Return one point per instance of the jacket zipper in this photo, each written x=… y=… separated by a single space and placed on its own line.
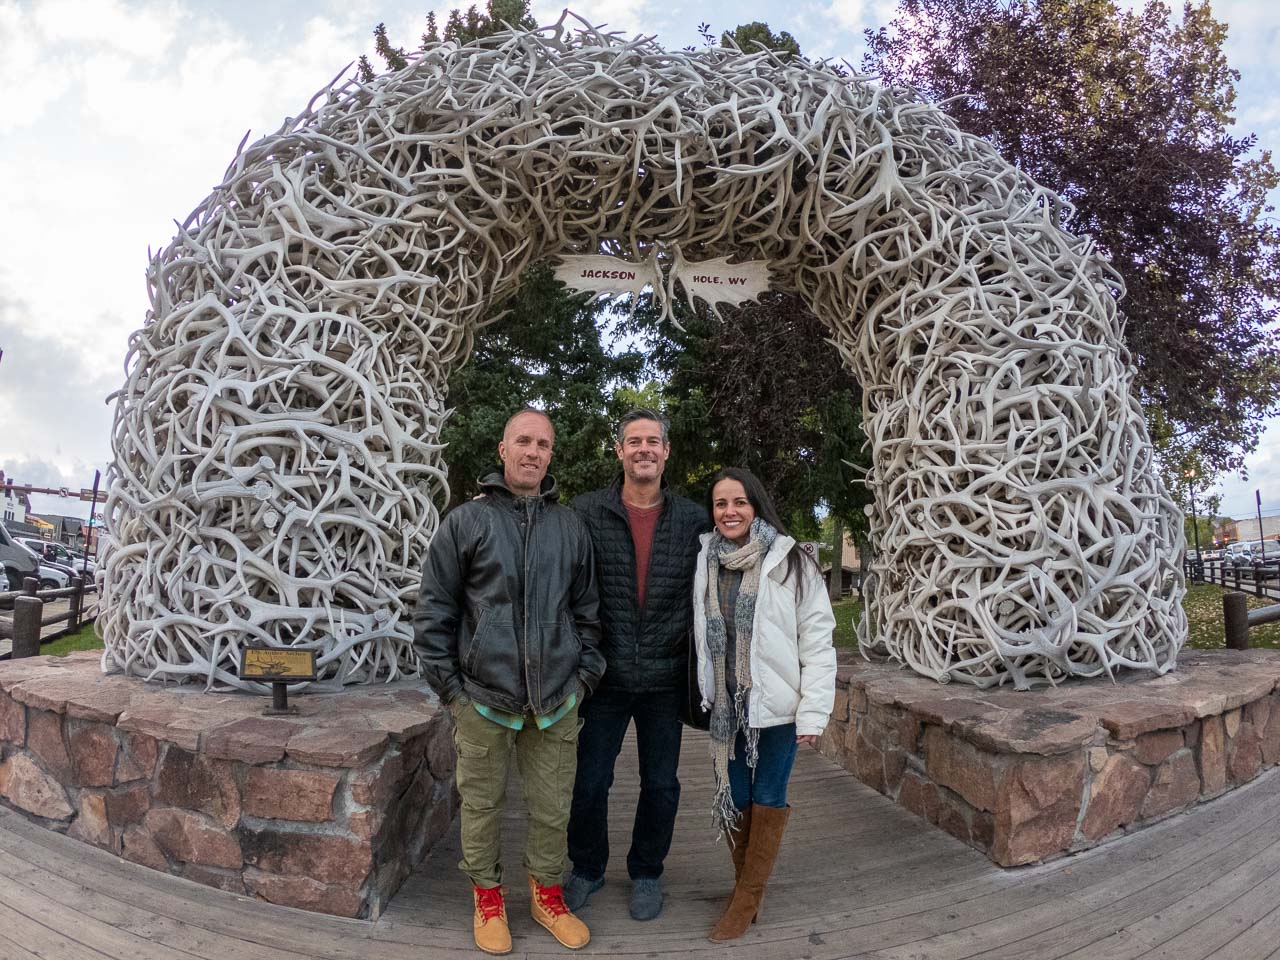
x=635 y=578
x=524 y=597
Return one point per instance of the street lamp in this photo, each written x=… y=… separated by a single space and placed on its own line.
x=1195 y=525
x=1262 y=540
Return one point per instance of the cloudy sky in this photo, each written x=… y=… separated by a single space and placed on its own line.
x=119 y=117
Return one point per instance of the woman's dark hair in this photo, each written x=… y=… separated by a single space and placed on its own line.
x=763 y=506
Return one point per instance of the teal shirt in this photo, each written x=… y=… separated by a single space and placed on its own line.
x=516 y=721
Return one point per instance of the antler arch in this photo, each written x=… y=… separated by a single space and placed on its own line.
x=277 y=470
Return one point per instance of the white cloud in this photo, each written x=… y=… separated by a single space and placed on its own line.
x=128 y=28
x=41 y=473
x=144 y=131
x=52 y=406
x=31 y=75
x=1263 y=475
x=847 y=13
x=628 y=16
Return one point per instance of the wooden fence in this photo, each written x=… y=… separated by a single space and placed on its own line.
x=1255 y=578
x=25 y=627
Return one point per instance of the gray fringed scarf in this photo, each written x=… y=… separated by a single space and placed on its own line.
x=728 y=717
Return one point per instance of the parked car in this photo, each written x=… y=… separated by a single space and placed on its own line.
x=16 y=562
x=53 y=578
x=80 y=563
x=1246 y=553
x=52 y=554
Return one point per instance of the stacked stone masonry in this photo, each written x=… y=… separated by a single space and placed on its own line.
x=328 y=810
x=1028 y=776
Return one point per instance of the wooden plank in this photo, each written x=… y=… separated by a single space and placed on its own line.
x=13 y=951
x=995 y=897
x=660 y=939
x=104 y=924
x=887 y=883
x=1077 y=924
x=1211 y=917
x=918 y=935
x=28 y=934
x=1036 y=915
x=1259 y=941
x=171 y=898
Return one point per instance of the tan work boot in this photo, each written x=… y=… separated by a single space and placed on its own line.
x=547 y=907
x=489 y=923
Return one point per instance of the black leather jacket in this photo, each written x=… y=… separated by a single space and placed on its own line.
x=508 y=609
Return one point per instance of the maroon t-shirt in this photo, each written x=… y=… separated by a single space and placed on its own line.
x=643 y=520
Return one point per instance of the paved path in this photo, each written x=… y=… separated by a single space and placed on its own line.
x=858 y=877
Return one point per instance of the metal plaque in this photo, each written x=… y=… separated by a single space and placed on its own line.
x=275 y=665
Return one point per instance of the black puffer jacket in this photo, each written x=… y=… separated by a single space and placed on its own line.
x=645 y=649
x=508 y=609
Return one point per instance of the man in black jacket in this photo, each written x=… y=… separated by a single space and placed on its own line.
x=646 y=544
x=507 y=628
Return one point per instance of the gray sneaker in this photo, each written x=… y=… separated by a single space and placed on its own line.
x=646 y=898
x=578 y=890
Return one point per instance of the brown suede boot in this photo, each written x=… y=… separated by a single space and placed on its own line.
x=489 y=922
x=739 y=837
x=767 y=826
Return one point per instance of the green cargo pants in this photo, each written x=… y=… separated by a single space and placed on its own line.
x=548 y=762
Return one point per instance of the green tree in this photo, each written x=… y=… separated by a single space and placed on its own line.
x=1205 y=525
x=1127 y=115
x=545 y=350
x=751 y=390
x=749 y=37
x=459 y=27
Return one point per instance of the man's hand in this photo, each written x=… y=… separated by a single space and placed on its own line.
x=809 y=738
x=456 y=704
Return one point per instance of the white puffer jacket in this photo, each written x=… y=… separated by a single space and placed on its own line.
x=793 y=662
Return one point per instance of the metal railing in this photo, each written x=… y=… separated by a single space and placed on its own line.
x=29 y=619
x=1263 y=580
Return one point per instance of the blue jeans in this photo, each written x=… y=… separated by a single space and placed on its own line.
x=766 y=784
x=606 y=714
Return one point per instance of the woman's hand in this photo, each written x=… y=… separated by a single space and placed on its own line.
x=809 y=738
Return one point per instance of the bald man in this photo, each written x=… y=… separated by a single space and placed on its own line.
x=507 y=627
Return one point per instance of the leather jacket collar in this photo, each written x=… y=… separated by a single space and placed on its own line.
x=496 y=483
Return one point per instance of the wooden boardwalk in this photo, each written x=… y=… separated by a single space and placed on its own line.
x=858 y=877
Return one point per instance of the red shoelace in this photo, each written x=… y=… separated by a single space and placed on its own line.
x=489 y=902
x=552 y=899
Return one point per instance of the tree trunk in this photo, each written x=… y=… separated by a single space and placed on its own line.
x=836 y=580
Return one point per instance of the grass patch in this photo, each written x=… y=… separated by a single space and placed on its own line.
x=847 y=613
x=1203 y=604
x=82 y=639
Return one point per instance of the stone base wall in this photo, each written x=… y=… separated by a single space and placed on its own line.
x=327 y=811
x=1027 y=776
